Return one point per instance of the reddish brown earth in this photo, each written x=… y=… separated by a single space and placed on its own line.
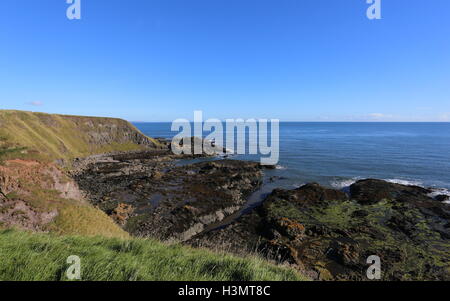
x=19 y=182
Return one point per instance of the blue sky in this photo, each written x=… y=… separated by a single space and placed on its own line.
x=296 y=60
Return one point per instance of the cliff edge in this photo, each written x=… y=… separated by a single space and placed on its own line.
x=51 y=136
x=37 y=194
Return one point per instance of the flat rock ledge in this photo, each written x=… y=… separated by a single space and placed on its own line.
x=149 y=195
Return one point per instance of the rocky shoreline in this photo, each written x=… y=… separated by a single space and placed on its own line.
x=150 y=196
x=326 y=233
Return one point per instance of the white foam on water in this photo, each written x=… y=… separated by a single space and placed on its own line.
x=435 y=191
x=440 y=191
x=280 y=167
x=226 y=155
x=340 y=184
x=344 y=183
x=405 y=182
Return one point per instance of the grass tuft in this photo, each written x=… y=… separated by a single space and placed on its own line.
x=26 y=256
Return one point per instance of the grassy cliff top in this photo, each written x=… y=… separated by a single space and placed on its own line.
x=51 y=136
x=25 y=256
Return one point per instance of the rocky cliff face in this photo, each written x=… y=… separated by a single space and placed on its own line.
x=21 y=182
x=14 y=174
x=38 y=195
x=106 y=131
x=68 y=137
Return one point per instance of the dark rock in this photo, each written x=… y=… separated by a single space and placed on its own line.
x=270 y=166
x=360 y=213
x=442 y=198
x=308 y=194
x=273 y=179
x=315 y=193
x=169 y=202
x=324 y=234
x=402 y=223
x=371 y=191
x=344 y=253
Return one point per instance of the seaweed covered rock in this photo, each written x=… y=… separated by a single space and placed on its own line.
x=371 y=191
x=329 y=236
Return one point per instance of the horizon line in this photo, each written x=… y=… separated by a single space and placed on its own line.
x=290 y=121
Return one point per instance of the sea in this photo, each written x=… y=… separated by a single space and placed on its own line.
x=337 y=154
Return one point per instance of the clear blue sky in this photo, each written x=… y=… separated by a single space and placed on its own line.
x=297 y=60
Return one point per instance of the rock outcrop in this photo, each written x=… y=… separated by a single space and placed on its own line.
x=21 y=182
x=171 y=202
x=329 y=236
x=371 y=191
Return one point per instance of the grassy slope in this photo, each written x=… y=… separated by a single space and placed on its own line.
x=59 y=136
x=25 y=256
x=75 y=217
x=46 y=137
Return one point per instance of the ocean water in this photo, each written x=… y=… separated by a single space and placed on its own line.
x=338 y=154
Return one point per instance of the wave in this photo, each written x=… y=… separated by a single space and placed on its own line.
x=344 y=183
x=440 y=191
x=435 y=191
x=280 y=167
x=405 y=182
x=226 y=155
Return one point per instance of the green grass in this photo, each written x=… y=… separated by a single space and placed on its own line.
x=74 y=217
x=26 y=256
